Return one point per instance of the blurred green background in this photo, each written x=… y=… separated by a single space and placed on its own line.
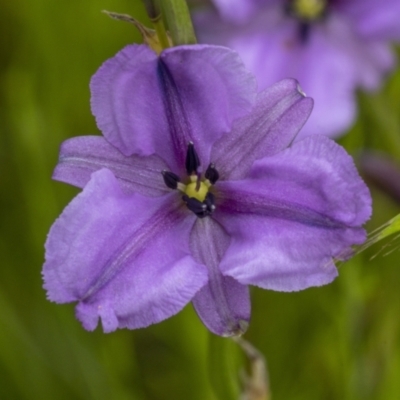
x=341 y=341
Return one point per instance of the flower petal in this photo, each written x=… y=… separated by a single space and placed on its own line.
x=124 y=258
x=300 y=209
x=124 y=92
x=277 y=117
x=83 y=155
x=375 y=19
x=330 y=64
x=239 y=11
x=334 y=53
x=223 y=304
x=145 y=105
x=214 y=88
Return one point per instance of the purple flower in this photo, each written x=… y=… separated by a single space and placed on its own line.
x=331 y=46
x=195 y=192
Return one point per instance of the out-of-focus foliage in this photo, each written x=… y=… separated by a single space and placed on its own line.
x=341 y=341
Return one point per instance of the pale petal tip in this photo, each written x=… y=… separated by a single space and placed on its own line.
x=301 y=91
x=238 y=329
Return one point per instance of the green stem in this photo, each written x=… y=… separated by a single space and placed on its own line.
x=154 y=13
x=223 y=367
x=159 y=26
x=176 y=14
x=152 y=8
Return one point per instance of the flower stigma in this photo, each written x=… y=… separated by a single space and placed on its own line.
x=196 y=194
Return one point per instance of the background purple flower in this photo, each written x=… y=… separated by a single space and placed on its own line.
x=141 y=241
x=337 y=47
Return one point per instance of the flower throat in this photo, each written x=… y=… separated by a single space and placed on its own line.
x=196 y=194
x=308 y=10
x=307 y=13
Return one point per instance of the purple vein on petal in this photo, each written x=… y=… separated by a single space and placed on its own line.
x=209 y=230
x=133 y=247
x=83 y=155
x=124 y=173
x=279 y=113
x=251 y=203
x=178 y=121
x=223 y=304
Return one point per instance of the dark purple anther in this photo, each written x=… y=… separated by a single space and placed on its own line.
x=170 y=179
x=212 y=174
x=192 y=162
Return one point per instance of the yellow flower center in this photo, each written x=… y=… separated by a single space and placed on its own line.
x=196 y=194
x=309 y=9
x=201 y=193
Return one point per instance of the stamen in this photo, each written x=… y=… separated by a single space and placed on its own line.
x=212 y=174
x=170 y=179
x=201 y=209
x=181 y=187
x=195 y=205
x=195 y=194
x=210 y=202
x=192 y=160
